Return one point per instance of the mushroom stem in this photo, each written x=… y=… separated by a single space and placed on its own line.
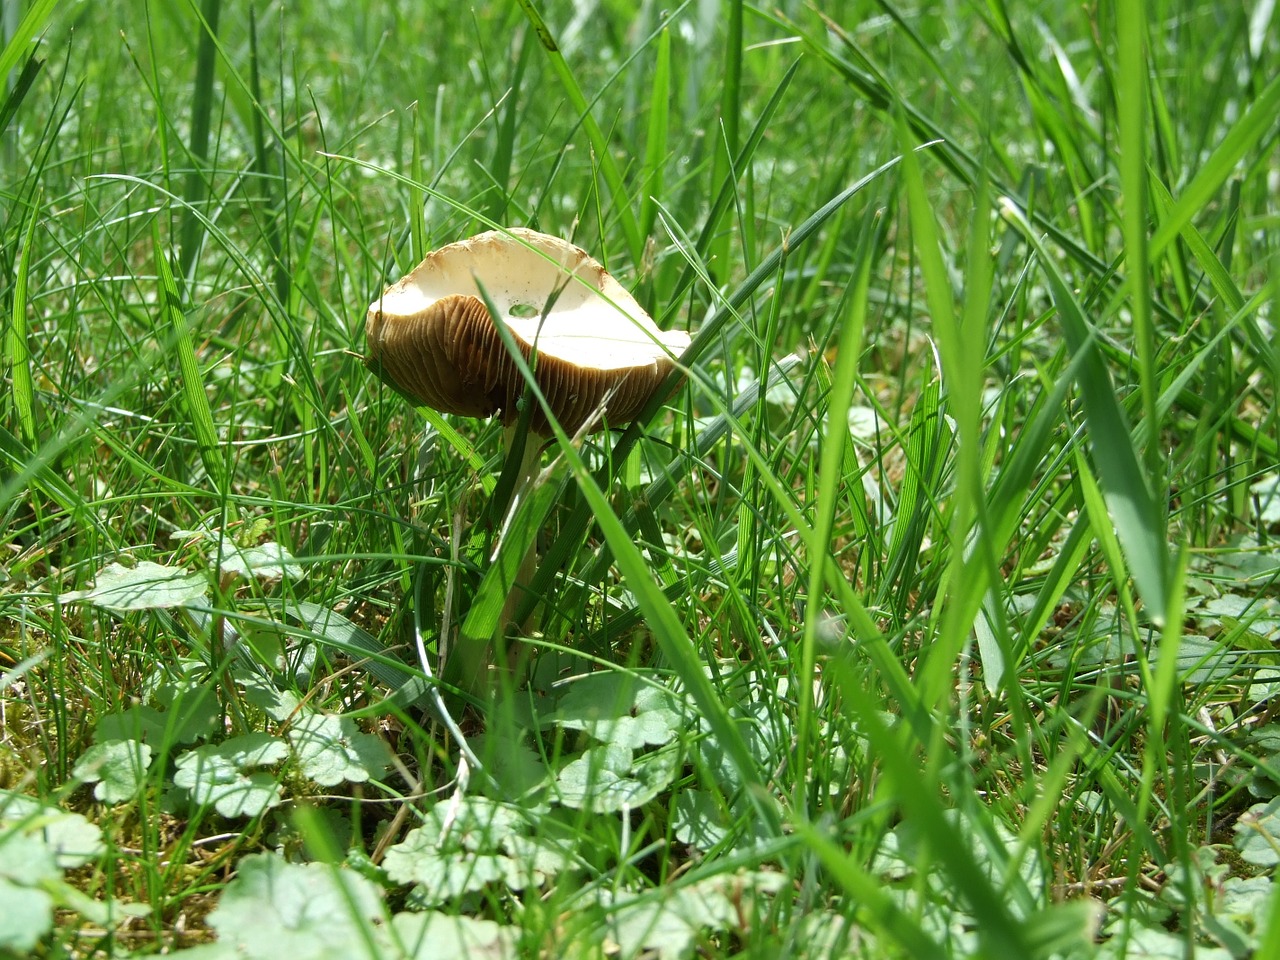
x=469 y=659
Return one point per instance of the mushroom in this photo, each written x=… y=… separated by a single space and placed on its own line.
x=597 y=357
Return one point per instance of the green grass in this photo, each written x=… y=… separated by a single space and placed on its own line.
x=936 y=615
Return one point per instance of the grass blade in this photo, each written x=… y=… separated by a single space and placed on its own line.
x=1131 y=41
x=32 y=22
x=197 y=187
x=707 y=335
x=1258 y=121
x=1138 y=519
x=603 y=150
x=17 y=353
x=655 y=148
x=194 y=398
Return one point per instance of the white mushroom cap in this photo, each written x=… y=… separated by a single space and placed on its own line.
x=431 y=335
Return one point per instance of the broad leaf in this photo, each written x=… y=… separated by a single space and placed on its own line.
x=332 y=749
x=147 y=586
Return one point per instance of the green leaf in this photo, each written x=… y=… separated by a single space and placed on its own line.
x=621 y=709
x=118 y=768
x=438 y=936
x=468 y=843
x=26 y=915
x=146 y=586
x=516 y=768
x=275 y=909
x=278 y=704
x=1065 y=928
x=266 y=561
x=699 y=820
x=608 y=778
x=25 y=858
x=333 y=749
x=1258 y=833
x=70 y=837
x=37 y=843
x=214 y=774
x=191 y=713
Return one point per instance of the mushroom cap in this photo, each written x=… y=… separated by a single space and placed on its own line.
x=431 y=336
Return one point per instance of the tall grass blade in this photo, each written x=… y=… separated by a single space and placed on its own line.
x=725 y=134
x=32 y=22
x=1138 y=519
x=1131 y=92
x=707 y=335
x=194 y=399
x=621 y=202
x=504 y=147
x=836 y=445
x=1258 y=122
x=17 y=351
x=655 y=146
x=271 y=186
x=18 y=92
x=197 y=186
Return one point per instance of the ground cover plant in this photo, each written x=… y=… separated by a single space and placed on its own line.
x=935 y=615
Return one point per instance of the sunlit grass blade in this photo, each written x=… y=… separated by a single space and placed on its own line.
x=652 y=174
x=707 y=335
x=1131 y=36
x=620 y=200
x=191 y=380
x=1138 y=519
x=516 y=542
x=836 y=445
x=17 y=353
x=724 y=137
x=927 y=440
x=1246 y=133
x=271 y=185
x=960 y=351
x=197 y=187
x=32 y=22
